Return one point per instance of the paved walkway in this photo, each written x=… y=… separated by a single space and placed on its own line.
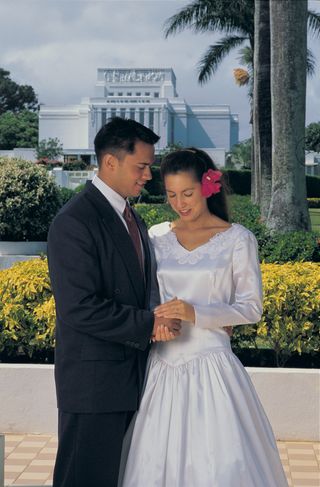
x=29 y=460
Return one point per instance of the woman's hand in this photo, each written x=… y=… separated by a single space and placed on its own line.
x=176 y=308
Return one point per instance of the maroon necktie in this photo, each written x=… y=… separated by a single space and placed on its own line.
x=134 y=233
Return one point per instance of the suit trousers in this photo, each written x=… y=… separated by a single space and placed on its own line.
x=89 y=449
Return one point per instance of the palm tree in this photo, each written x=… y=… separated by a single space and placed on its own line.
x=262 y=134
x=236 y=21
x=288 y=208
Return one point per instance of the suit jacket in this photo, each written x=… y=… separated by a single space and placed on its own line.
x=104 y=324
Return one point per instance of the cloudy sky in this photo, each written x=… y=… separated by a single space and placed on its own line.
x=56 y=46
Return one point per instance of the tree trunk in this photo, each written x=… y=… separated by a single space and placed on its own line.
x=262 y=106
x=288 y=208
x=255 y=160
x=254 y=186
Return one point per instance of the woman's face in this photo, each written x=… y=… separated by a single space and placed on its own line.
x=184 y=195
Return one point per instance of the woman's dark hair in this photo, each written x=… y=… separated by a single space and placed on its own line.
x=197 y=162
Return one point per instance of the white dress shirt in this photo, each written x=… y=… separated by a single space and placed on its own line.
x=115 y=199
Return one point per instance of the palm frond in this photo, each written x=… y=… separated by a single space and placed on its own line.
x=215 y=54
x=246 y=56
x=311 y=63
x=314 y=22
x=204 y=15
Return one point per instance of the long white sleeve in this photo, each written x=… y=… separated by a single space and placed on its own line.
x=246 y=304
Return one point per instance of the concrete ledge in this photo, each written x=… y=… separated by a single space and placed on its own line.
x=27 y=398
x=1 y=460
x=290 y=398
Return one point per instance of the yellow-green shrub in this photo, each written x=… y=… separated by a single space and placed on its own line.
x=291 y=318
x=290 y=323
x=27 y=311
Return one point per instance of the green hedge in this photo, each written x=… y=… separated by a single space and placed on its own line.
x=29 y=200
x=239 y=182
x=313 y=187
x=155 y=186
x=289 y=324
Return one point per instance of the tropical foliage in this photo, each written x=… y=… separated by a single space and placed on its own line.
x=27 y=310
x=29 y=200
x=49 y=149
x=235 y=22
x=289 y=324
x=18 y=129
x=14 y=97
x=313 y=137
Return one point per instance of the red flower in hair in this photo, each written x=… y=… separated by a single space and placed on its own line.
x=210 y=183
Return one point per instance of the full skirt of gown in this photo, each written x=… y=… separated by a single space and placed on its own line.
x=200 y=422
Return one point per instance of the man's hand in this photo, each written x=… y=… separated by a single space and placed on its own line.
x=165 y=329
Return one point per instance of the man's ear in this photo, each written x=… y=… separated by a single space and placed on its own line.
x=109 y=161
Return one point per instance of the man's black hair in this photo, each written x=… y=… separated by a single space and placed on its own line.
x=120 y=135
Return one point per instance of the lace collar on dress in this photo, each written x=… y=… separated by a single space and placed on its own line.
x=168 y=245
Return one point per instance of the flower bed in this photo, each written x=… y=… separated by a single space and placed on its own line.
x=288 y=329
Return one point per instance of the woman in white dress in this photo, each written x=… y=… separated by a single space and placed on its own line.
x=200 y=422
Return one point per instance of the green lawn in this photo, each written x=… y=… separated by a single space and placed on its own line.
x=315 y=219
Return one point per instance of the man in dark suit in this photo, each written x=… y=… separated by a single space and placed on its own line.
x=101 y=274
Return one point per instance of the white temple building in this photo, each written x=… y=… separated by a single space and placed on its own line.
x=150 y=97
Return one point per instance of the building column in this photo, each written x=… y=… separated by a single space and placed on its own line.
x=156 y=121
x=146 y=117
x=99 y=118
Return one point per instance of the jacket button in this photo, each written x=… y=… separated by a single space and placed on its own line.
x=117 y=291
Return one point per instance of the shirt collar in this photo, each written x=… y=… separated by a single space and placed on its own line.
x=114 y=198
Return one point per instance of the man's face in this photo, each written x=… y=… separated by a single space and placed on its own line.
x=132 y=171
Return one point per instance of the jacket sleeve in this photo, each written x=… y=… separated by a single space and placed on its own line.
x=246 y=307
x=76 y=283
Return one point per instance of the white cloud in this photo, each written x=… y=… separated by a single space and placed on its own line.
x=57 y=46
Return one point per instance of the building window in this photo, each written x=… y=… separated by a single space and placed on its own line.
x=103 y=116
x=151 y=118
x=129 y=93
x=156 y=95
x=132 y=113
x=111 y=93
x=120 y=93
x=113 y=112
x=141 y=115
x=147 y=93
x=122 y=112
x=138 y=93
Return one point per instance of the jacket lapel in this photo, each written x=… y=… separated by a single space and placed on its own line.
x=121 y=240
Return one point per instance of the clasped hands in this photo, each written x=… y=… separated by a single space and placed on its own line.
x=168 y=317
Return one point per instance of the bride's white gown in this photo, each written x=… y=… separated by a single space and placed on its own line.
x=200 y=422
